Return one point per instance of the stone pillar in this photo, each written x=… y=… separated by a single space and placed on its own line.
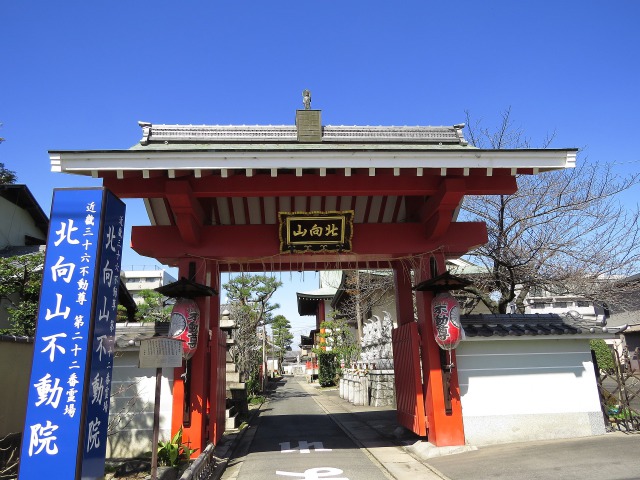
x=365 y=389
x=382 y=388
x=350 y=388
x=356 y=389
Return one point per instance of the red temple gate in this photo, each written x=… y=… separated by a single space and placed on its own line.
x=214 y=195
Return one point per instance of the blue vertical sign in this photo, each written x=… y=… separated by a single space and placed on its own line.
x=65 y=430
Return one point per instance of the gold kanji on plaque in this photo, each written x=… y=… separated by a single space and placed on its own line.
x=316 y=231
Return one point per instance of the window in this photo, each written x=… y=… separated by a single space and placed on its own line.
x=560 y=305
x=583 y=303
x=537 y=292
x=540 y=306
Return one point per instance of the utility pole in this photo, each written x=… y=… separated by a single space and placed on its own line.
x=264 y=355
x=358 y=309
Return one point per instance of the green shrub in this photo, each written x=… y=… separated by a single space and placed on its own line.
x=173 y=452
x=256 y=400
x=622 y=413
x=604 y=355
x=253 y=384
x=327 y=369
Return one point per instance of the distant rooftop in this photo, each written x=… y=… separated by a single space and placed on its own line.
x=308 y=301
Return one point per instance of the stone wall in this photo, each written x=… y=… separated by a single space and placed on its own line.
x=371 y=380
x=373 y=388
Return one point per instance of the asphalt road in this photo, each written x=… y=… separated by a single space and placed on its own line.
x=611 y=457
x=295 y=439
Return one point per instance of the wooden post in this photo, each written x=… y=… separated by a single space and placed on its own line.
x=445 y=429
x=156 y=426
x=403 y=293
x=190 y=397
x=177 y=410
x=321 y=314
x=217 y=360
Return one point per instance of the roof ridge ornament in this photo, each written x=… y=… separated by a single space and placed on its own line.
x=458 y=129
x=146 y=131
x=306 y=99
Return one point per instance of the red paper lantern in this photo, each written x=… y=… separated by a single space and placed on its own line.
x=445 y=313
x=185 y=322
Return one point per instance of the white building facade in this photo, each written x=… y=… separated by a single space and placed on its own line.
x=148 y=279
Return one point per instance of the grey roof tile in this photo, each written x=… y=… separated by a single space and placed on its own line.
x=482 y=325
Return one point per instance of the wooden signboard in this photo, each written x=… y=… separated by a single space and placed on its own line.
x=160 y=352
x=316 y=231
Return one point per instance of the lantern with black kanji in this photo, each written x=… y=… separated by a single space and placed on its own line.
x=185 y=316
x=445 y=310
x=185 y=322
x=445 y=313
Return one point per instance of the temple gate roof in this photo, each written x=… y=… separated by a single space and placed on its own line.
x=197 y=180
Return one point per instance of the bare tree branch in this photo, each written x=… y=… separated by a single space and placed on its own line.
x=564 y=231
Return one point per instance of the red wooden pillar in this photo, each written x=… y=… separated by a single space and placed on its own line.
x=321 y=316
x=178 y=399
x=192 y=416
x=404 y=295
x=217 y=360
x=178 y=407
x=445 y=429
x=410 y=405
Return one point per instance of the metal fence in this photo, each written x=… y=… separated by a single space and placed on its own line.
x=202 y=467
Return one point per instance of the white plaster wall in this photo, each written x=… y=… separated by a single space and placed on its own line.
x=16 y=223
x=327 y=309
x=132 y=402
x=522 y=390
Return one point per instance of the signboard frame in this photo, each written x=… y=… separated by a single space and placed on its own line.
x=328 y=231
x=69 y=391
x=160 y=352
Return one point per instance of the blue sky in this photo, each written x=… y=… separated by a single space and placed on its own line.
x=79 y=75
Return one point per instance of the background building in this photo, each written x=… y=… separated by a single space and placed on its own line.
x=138 y=280
x=23 y=229
x=24 y=223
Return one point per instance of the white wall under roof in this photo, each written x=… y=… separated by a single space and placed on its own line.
x=133 y=394
x=525 y=390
